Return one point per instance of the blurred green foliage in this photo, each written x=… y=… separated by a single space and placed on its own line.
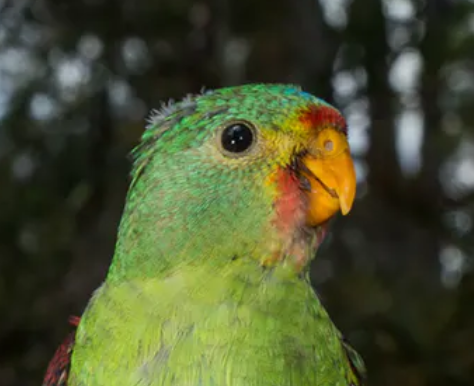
x=78 y=77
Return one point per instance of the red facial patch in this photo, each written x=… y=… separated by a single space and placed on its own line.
x=315 y=116
x=289 y=204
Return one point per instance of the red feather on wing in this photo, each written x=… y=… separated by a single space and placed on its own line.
x=58 y=368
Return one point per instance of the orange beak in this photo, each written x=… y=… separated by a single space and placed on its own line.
x=333 y=183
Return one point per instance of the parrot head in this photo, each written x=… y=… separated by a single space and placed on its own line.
x=251 y=172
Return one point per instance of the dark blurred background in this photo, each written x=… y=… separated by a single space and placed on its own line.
x=77 y=79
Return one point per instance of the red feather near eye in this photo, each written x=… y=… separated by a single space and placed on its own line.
x=316 y=116
x=58 y=368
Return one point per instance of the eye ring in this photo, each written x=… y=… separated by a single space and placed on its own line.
x=237 y=138
x=330 y=143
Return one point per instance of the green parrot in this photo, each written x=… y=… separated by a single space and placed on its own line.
x=230 y=197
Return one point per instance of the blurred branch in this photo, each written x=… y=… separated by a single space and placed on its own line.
x=12 y=15
x=315 y=48
x=433 y=50
x=206 y=43
x=367 y=29
x=100 y=139
x=457 y=203
x=12 y=8
x=221 y=27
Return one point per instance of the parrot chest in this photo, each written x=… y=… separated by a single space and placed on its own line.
x=236 y=336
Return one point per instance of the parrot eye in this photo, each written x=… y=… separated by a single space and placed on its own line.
x=237 y=137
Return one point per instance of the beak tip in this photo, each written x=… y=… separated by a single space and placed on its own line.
x=345 y=209
x=346 y=202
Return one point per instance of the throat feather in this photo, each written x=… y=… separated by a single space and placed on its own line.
x=289 y=204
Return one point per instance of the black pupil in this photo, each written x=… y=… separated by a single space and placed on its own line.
x=237 y=138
